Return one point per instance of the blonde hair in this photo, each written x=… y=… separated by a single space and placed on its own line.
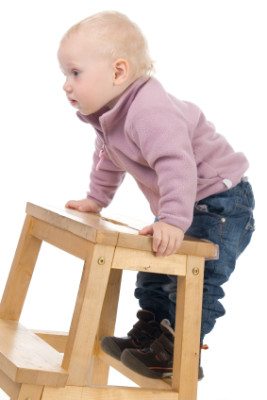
x=119 y=37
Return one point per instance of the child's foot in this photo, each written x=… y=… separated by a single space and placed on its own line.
x=143 y=334
x=155 y=361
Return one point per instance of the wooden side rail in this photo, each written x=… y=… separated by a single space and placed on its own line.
x=101 y=230
x=25 y=358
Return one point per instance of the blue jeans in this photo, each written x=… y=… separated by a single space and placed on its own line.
x=225 y=219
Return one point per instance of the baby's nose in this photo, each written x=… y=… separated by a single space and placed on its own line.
x=67 y=86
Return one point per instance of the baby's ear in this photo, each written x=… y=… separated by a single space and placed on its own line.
x=120 y=71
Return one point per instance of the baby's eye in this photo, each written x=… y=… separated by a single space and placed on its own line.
x=75 y=72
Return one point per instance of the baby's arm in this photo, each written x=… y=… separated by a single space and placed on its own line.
x=105 y=178
x=165 y=142
x=166 y=238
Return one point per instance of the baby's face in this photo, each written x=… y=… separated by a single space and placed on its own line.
x=89 y=76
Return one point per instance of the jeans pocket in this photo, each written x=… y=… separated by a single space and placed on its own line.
x=219 y=206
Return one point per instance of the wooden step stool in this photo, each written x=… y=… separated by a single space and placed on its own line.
x=56 y=366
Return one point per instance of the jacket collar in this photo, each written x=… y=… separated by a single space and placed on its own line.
x=106 y=117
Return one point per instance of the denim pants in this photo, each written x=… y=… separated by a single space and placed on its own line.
x=225 y=219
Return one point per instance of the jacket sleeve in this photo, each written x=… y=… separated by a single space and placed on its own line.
x=105 y=177
x=166 y=146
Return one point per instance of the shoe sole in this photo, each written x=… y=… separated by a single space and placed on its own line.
x=137 y=366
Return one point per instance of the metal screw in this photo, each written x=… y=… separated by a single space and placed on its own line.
x=195 y=271
x=101 y=261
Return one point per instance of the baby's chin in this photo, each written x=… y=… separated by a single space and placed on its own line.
x=84 y=111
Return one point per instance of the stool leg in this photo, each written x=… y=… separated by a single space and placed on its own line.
x=187 y=329
x=31 y=392
x=78 y=354
x=100 y=370
x=20 y=274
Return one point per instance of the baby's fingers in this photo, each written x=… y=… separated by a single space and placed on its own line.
x=162 y=245
x=156 y=240
x=79 y=205
x=170 y=249
x=71 y=204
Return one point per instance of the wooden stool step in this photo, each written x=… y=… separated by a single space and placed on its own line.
x=44 y=365
x=25 y=358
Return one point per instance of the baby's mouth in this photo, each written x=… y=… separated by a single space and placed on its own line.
x=73 y=102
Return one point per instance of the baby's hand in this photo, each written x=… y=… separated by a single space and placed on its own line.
x=86 y=205
x=166 y=238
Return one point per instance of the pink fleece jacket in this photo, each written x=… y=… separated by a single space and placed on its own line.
x=167 y=145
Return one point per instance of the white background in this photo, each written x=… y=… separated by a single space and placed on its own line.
x=209 y=52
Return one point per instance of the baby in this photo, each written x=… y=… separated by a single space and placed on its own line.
x=192 y=178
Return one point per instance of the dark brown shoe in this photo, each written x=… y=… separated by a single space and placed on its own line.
x=142 y=335
x=155 y=361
